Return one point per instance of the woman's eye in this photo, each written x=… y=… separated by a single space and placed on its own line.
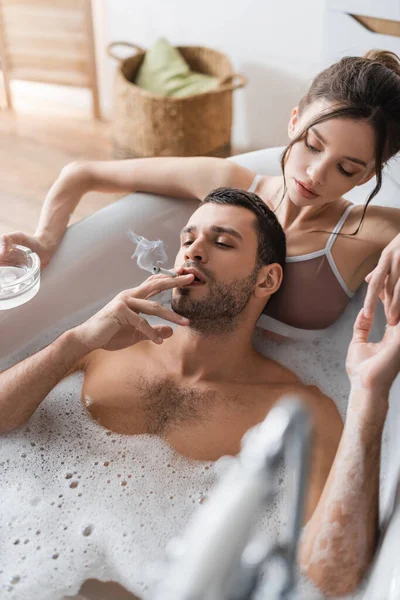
x=346 y=173
x=186 y=243
x=223 y=245
x=312 y=148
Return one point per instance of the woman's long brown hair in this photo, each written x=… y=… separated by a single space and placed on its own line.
x=363 y=88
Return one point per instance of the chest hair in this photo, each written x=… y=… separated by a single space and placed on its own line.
x=167 y=403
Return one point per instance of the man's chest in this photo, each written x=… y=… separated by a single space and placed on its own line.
x=202 y=421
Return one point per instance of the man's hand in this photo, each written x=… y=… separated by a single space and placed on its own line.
x=119 y=324
x=373 y=366
x=43 y=249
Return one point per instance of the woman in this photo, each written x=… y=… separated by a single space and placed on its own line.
x=342 y=133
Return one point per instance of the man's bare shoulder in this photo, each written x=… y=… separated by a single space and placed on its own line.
x=270 y=371
x=321 y=405
x=97 y=360
x=328 y=424
x=324 y=413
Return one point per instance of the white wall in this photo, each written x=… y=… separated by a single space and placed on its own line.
x=276 y=44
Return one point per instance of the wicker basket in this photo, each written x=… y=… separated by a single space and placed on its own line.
x=145 y=124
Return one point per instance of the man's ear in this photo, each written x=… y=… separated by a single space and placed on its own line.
x=268 y=281
x=293 y=122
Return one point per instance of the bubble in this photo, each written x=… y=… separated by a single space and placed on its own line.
x=15 y=579
x=86 y=531
x=87 y=401
x=132 y=528
x=74 y=484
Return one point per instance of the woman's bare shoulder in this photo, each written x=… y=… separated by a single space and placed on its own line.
x=242 y=177
x=381 y=223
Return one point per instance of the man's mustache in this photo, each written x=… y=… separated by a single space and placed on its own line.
x=207 y=274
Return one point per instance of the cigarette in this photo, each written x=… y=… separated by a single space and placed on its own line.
x=171 y=272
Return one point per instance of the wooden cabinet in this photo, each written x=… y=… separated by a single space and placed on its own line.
x=382 y=9
x=49 y=41
x=352 y=27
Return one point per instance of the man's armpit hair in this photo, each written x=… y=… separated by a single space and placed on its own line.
x=80 y=365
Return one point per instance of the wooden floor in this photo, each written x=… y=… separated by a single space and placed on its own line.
x=33 y=149
x=34 y=146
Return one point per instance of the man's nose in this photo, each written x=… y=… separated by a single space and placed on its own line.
x=196 y=251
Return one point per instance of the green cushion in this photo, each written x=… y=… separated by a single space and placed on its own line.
x=165 y=72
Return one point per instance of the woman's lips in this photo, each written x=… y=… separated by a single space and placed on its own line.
x=304 y=191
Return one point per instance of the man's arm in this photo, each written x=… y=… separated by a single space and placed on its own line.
x=340 y=538
x=116 y=326
x=24 y=386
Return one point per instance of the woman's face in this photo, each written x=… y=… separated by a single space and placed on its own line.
x=330 y=160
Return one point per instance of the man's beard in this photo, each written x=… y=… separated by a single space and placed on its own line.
x=218 y=312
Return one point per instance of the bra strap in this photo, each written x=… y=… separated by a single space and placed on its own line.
x=328 y=248
x=338 y=227
x=255 y=183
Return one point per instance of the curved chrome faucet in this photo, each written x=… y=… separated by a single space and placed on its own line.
x=217 y=558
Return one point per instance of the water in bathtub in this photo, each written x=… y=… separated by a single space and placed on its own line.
x=80 y=502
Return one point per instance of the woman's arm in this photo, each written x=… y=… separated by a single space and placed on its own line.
x=179 y=177
x=340 y=538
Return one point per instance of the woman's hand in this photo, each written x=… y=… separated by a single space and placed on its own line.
x=43 y=250
x=373 y=366
x=384 y=282
x=119 y=324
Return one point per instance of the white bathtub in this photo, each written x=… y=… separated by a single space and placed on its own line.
x=93 y=264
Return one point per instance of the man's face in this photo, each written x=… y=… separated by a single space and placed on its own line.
x=219 y=245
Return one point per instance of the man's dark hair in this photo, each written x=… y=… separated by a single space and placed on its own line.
x=271 y=237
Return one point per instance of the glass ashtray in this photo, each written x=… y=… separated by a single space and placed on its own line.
x=19 y=276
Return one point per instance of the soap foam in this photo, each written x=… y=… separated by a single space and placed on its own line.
x=80 y=502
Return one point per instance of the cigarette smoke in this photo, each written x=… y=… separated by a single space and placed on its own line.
x=148 y=254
